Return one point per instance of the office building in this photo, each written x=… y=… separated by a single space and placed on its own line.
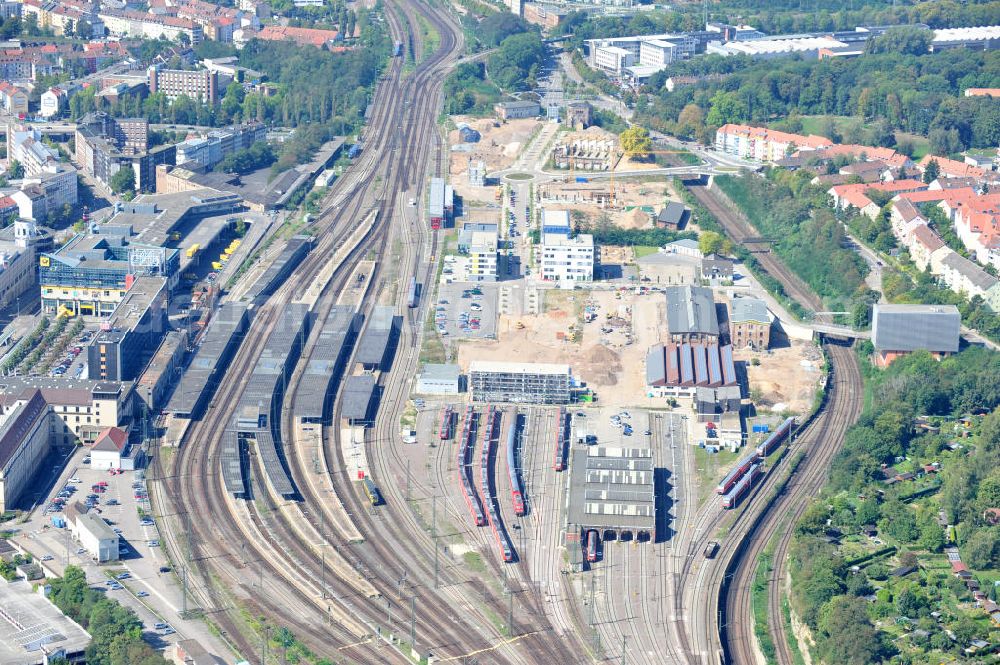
x=37 y=413
x=90 y=274
x=200 y=84
x=482 y=266
x=219 y=144
x=533 y=383
x=565 y=257
x=131 y=334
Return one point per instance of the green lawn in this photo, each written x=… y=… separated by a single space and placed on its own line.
x=644 y=250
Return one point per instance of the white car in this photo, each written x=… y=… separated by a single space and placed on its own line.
x=74 y=479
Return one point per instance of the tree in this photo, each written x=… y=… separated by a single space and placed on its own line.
x=980 y=550
x=15 y=170
x=931 y=171
x=710 y=242
x=635 y=141
x=123 y=181
x=690 y=121
x=847 y=636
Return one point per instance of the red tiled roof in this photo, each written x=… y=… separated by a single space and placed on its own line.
x=952 y=168
x=311 y=36
x=811 y=141
x=112 y=438
x=982 y=92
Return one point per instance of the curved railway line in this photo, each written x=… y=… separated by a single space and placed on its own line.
x=713 y=607
x=819 y=442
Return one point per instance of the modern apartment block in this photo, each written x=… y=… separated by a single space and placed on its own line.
x=565 y=257
x=218 y=144
x=534 y=383
x=199 y=84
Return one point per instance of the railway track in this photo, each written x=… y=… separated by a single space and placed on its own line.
x=819 y=442
x=715 y=608
x=739 y=229
x=199 y=489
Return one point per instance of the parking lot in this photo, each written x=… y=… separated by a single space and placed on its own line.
x=612 y=427
x=467 y=310
x=143 y=579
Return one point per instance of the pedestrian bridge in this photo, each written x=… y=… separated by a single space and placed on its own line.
x=840 y=331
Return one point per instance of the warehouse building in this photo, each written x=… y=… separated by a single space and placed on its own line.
x=898 y=330
x=437 y=379
x=33 y=631
x=679 y=370
x=612 y=492
x=535 y=383
x=691 y=315
x=95 y=536
x=517 y=110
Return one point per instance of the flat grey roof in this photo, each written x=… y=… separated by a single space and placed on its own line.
x=227 y=324
x=326 y=362
x=612 y=488
x=915 y=327
x=438 y=372
x=357 y=399
x=377 y=335
x=232 y=464
x=30 y=621
x=691 y=310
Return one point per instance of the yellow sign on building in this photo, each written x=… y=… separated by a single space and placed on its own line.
x=44 y=261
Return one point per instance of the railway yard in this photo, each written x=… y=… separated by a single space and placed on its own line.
x=542 y=496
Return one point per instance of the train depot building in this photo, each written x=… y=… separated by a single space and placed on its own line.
x=611 y=492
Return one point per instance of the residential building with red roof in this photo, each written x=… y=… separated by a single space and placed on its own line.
x=951 y=168
x=922 y=243
x=982 y=92
x=300 y=36
x=13 y=99
x=762 y=144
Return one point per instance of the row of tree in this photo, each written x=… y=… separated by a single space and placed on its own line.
x=115 y=630
x=785 y=207
x=918 y=94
